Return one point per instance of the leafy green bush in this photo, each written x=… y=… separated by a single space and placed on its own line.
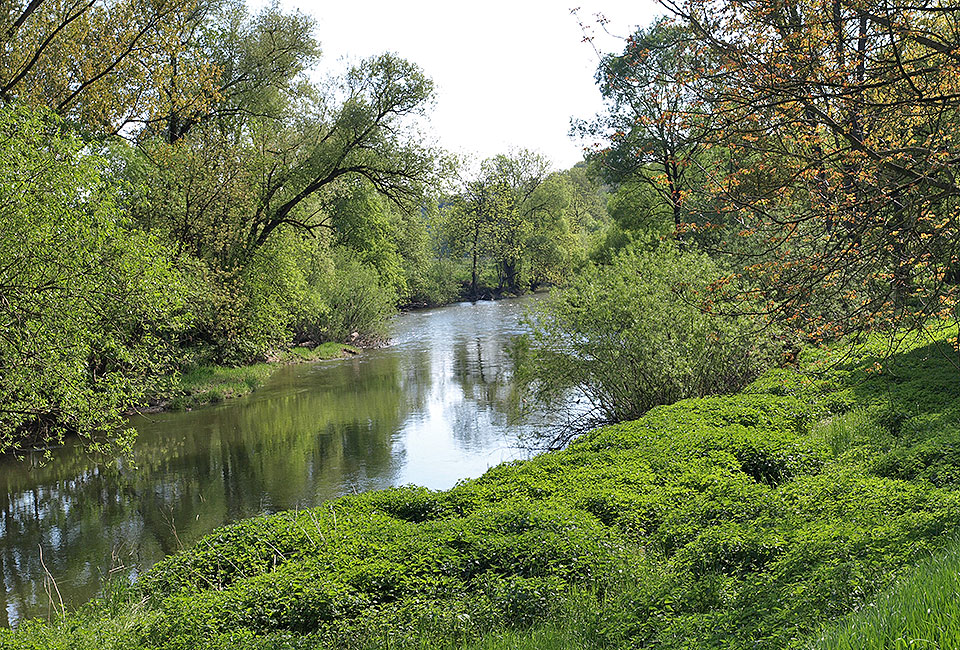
x=633 y=335
x=87 y=305
x=433 y=283
x=356 y=299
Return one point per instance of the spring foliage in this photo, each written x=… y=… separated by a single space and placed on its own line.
x=821 y=135
x=190 y=196
x=629 y=336
x=87 y=304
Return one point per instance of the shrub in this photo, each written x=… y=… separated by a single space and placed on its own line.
x=356 y=298
x=633 y=335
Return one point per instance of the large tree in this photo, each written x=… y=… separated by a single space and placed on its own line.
x=256 y=61
x=359 y=130
x=225 y=188
x=100 y=63
x=839 y=122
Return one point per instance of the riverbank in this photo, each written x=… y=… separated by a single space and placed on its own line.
x=738 y=521
x=204 y=385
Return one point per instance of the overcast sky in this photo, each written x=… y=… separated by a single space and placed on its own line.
x=507 y=73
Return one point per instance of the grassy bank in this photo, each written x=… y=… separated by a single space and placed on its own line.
x=921 y=610
x=741 y=521
x=211 y=384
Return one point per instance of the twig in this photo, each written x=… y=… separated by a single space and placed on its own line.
x=50 y=580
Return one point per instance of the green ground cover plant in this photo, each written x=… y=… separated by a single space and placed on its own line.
x=209 y=384
x=740 y=521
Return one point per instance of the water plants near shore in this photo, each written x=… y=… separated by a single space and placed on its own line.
x=211 y=384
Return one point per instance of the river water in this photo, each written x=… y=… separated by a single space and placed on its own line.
x=429 y=409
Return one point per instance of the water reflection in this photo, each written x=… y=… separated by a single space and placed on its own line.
x=429 y=409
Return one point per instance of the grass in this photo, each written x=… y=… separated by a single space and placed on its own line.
x=211 y=384
x=203 y=385
x=734 y=522
x=322 y=352
x=921 y=611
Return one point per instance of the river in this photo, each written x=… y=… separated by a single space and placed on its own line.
x=429 y=409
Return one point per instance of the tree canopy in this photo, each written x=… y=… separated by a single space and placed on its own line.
x=824 y=152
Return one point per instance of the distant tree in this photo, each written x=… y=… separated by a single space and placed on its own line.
x=496 y=212
x=471 y=215
x=588 y=202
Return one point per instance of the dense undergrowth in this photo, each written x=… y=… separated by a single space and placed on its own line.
x=741 y=521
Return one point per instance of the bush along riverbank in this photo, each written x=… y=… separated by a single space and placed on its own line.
x=209 y=384
x=741 y=521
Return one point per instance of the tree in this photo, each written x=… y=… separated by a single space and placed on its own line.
x=258 y=61
x=519 y=180
x=361 y=134
x=839 y=120
x=87 y=305
x=495 y=214
x=227 y=186
x=470 y=224
x=653 y=133
x=100 y=63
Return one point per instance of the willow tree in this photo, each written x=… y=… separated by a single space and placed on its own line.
x=360 y=129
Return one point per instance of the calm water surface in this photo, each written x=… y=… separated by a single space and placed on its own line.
x=429 y=409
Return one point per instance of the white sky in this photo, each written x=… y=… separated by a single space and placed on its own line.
x=507 y=74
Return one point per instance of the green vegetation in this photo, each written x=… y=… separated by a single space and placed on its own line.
x=738 y=521
x=193 y=200
x=791 y=171
x=922 y=610
x=210 y=384
x=521 y=227
x=631 y=335
x=88 y=307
